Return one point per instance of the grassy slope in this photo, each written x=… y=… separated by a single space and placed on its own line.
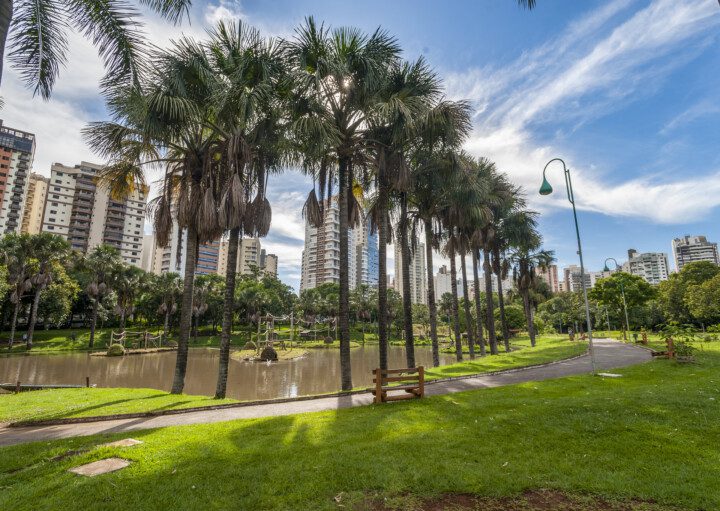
x=549 y=348
x=62 y=403
x=652 y=434
x=54 y=404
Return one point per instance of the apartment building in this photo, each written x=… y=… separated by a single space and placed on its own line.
x=442 y=283
x=550 y=277
x=85 y=214
x=172 y=258
x=366 y=255
x=251 y=255
x=690 y=249
x=321 y=253
x=651 y=266
x=17 y=149
x=34 y=204
x=418 y=282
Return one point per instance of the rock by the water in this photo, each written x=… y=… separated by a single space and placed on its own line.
x=268 y=354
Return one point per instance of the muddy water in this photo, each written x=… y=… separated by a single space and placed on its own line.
x=317 y=372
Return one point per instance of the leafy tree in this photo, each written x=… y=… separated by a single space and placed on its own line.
x=421 y=316
x=56 y=300
x=703 y=300
x=673 y=293
x=608 y=292
x=16 y=251
x=514 y=315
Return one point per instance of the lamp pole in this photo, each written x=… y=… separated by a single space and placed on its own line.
x=546 y=189
x=622 y=292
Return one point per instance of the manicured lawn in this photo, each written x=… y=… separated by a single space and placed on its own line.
x=548 y=348
x=64 y=403
x=653 y=434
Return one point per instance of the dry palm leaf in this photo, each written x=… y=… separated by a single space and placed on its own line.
x=163 y=222
x=311 y=210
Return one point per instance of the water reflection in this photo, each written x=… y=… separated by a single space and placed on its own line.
x=316 y=373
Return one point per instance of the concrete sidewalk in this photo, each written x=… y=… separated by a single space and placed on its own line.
x=608 y=354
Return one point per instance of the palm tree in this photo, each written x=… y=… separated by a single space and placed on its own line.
x=168 y=121
x=16 y=250
x=484 y=232
x=38 y=45
x=47 y=251
x=99 y=265
x=466 y=208
x=338 y=76
x=127 y=281
x=167 y=285
x=410 y=92
x=248 y=73
x=476 y=292
x=525 y=258
x=510 y=203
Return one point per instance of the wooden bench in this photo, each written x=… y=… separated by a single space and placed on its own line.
x=412 y=382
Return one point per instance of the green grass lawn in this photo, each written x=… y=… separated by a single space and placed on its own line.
x=548 y=348
x=87 y=402
x=653 y=434
x=46 y=341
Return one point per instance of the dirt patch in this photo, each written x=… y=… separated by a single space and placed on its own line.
x=536 y=500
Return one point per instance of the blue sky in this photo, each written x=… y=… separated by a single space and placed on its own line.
x=626 y=91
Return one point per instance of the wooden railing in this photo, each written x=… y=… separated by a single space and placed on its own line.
x=411 y=382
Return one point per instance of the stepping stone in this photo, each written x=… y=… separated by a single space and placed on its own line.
x=97 y=468
x=125 y=442
x=610 y=375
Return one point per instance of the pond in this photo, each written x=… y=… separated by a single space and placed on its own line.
x=317 y=372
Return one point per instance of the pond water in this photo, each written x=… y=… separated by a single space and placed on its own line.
x=315 y=373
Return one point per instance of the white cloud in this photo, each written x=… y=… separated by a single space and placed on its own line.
x=595 y=68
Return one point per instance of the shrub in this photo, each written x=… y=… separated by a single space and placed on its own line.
x=116 y=350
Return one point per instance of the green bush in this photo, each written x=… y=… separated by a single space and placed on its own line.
x=116 y=350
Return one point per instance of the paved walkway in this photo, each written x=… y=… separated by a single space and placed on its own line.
x=609 y=354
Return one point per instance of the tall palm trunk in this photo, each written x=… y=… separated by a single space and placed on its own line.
x=166 y=326
x=186 y=312
x=13 y=323
x=344 y=187
x=93 y=321
x=529 y=316
x=501 y=298
x=478 y=308
x=33 y=320
x=122 y=320
x=6 y=12
x=490 y=308
x=406 y=295
x=382 y=277
x=432 y=307
x=456 y=319
x=228 y=309
x=468 y=317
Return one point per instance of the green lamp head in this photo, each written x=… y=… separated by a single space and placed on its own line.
x=545 y=189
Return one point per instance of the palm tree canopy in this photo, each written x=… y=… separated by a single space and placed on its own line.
x=38 y=37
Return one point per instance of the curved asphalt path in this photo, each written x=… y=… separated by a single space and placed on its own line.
x=608 y=354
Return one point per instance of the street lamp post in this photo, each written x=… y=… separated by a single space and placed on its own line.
x=546 y=189
x=622 y=292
